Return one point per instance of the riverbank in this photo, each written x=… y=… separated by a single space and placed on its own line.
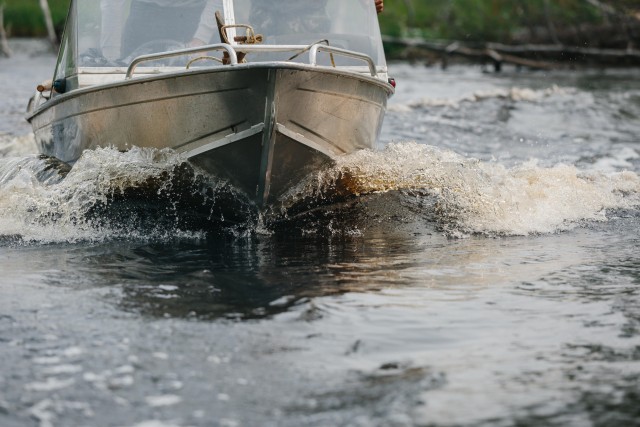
x=25 y=19
x=537 y=34
x=598 y=23
x=502 y=21
x=531 y=56
x=358 y=315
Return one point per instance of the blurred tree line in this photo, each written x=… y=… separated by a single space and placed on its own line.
x=23 y=18
x=567 y=21
x=513 y=21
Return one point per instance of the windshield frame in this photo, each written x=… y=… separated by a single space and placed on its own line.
x=82 y=35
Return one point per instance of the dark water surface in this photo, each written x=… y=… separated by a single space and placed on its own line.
x=487 y=274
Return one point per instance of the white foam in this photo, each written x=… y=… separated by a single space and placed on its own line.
x=17 y=146
x=164 y=400
x=62 y=369
x=155 y=423
x=616 y=159
x=485 y=197
x=49 y=213
x=47 y=360
x=515 y=94
x=51 y=384
x=471 y=196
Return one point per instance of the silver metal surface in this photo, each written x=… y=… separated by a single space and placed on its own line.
x=233 y=58
x=313 y=55
x=252 y=48
x=261 y=126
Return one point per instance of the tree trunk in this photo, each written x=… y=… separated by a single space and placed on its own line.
x=4 y=45
x=605 y=8
x=551 y=27
x=410 y=11
x=53 y=39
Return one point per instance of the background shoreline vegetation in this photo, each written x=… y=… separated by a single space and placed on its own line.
x=511 y=21
x=584 y=23
x=24 y=18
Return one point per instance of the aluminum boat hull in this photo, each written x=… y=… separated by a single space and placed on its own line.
x=262 y=127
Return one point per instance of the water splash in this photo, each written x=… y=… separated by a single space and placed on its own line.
x=480 y=197
x=140 y=194
x=156 y=194
x=17 y=145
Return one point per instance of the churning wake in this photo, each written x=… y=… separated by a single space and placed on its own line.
x=472 y=196
x=157 y=194
x=140 y=194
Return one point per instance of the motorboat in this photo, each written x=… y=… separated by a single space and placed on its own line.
x=259 y=93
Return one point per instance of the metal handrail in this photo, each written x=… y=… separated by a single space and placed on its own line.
x=248 y=48
x=233 y=57
x=313 y=52
x=313 y=56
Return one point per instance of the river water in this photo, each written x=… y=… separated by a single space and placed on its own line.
x=483 y=270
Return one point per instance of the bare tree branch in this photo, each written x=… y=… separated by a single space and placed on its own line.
x=411 y=10
x=4 y=45
x=550 y=25
x=46 y=11
x=606 y=8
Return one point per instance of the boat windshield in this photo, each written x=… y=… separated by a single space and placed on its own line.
x=347 y=24
x=111 y=33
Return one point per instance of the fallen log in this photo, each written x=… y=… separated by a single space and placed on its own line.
x=568 y=52
x=533 y=56
x=498 y=58
x=616 y=35
x=4 y=45
x=482 y=55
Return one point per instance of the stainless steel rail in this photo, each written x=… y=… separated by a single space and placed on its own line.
x=313 y=56
x=233 y=57
x=313 y=52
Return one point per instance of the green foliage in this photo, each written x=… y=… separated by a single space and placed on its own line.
x=23 y=18
x=490 y=20
x=471 y=20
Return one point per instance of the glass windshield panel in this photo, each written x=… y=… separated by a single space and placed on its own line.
x=66 y=63
x=347 y=24
x=113 y=32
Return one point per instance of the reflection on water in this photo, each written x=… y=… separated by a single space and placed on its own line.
x=257 y=276
x=398 y=324
x=485 y=274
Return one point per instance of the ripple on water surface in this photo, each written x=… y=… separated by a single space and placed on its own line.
x=348 y=303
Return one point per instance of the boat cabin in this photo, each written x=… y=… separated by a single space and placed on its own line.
x=105 y=40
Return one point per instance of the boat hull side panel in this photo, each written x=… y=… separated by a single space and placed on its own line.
x=166 y=113
x=341 y=113
x=292 y=162
x=238 y=163
x=262 y=133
